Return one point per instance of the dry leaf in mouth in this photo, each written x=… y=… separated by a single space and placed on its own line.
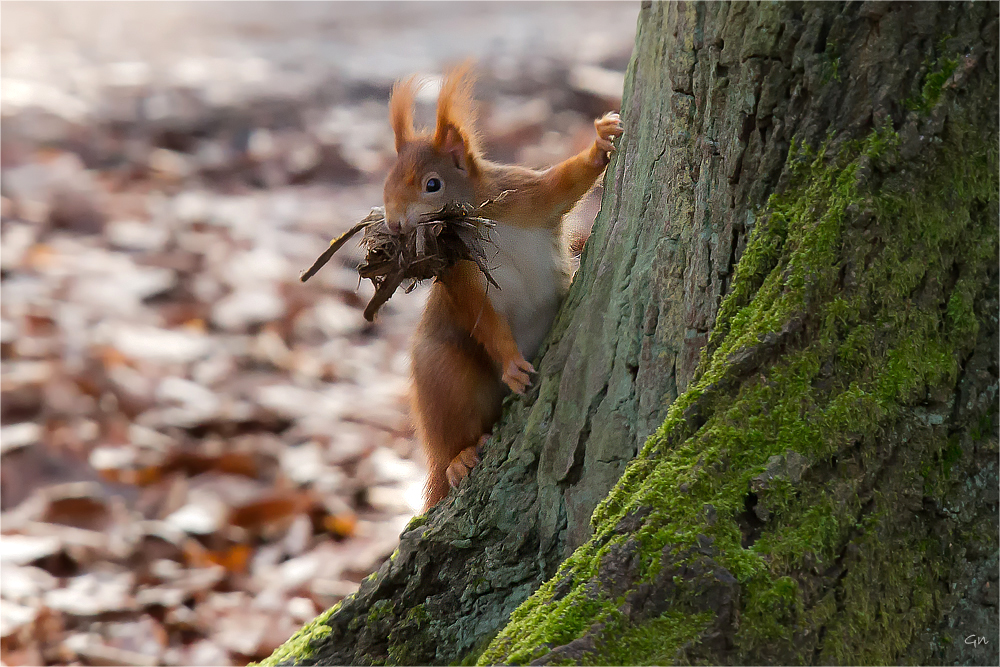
x=439 y=240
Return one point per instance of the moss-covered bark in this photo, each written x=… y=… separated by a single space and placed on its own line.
x=800 y=238
x=825 y=491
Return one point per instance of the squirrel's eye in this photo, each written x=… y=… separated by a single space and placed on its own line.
x=433 y=184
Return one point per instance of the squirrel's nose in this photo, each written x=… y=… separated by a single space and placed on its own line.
x=393 y=218
x=398 y=221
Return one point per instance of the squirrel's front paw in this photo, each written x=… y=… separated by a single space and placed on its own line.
x=515 y=375
x=608 y=127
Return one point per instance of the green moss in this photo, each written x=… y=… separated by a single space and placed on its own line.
x=563 y=622
x=887 y=599
x=951 y=454
x=415 y=523
x=403 y=648
x=961 y=315
x=936 y=471
x=472 y=657
x=656 y=642
x=379 y=611
x=984 y=428
x=831 y=69
x=772 y=606
x=300 y=645
x=930 y=92
x=417 y=615
x=871 y=351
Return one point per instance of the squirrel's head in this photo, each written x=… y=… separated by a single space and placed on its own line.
x=431 y=170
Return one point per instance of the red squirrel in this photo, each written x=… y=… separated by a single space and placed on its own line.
x=473 y=343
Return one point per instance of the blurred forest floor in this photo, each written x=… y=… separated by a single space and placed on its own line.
x=200 y=453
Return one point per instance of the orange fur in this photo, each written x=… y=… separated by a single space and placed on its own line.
x=456 y=114
x=470 y=343
x=543 y=197
x=473 y=312
x=401 y=110
x=456 y=390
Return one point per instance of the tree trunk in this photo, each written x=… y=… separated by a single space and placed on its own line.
x=793 y=282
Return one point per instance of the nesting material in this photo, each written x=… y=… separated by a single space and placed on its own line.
x=435 y=244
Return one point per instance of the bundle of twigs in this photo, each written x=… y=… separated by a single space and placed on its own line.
x=434 y=245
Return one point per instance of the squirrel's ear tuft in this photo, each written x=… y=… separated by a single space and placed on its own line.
x=456 y=145
x=401 y=109
x=455 y=131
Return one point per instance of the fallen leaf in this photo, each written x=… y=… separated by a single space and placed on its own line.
x=278 y=506
x=341 y=525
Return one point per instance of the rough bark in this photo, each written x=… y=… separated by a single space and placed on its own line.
x=799 y=237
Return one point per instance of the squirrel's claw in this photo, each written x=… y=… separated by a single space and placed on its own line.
x=462 y=464
x=604 y=145
x=608 y=127
x=515 y=375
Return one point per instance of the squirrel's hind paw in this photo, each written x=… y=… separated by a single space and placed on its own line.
x=462 y=464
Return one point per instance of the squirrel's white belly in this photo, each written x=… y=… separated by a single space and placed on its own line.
x=529 y=269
